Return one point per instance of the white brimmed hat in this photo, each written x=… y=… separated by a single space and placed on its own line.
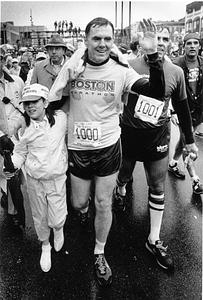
x=14 y=60
x=41 y=55
x=34 y=92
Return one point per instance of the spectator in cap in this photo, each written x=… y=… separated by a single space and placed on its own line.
x=45 y=166
x=8 y=61
x=26 y=64
x=70 y=50
x=15 y=70
x=192 y=65
x=39 y=57
x=11 y=87
x=45 y=72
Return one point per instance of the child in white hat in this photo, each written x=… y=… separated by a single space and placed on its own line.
x=43 y=151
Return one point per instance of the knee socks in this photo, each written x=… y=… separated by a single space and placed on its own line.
x=156 y=209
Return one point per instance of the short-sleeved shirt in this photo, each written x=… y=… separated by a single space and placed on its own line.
x=95 y=104
x=174 y=89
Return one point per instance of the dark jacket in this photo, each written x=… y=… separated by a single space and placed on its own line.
x=195 y=101
x=24 y=70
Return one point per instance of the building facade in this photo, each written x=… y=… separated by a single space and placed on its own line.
x=194 y=18
x=9 y=33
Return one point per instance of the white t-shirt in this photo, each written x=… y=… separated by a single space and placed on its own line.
x=95 y=104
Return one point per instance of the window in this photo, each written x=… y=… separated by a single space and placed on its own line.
x=196 y=25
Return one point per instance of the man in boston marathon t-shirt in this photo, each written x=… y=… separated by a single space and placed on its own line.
x=93 y=125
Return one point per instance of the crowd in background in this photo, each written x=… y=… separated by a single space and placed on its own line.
x=22 y=61
x=50 y=74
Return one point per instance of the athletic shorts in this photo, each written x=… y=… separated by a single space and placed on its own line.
x=145 y=144
x=100 y=162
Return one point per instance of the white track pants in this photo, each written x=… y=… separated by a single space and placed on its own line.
x=48 y=204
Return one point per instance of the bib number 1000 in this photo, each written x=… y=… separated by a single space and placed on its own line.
x=87 y=132
x=90 y=134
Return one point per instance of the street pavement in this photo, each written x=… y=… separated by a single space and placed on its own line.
x=136 y=275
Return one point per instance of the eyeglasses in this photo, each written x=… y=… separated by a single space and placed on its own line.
x=165 y=39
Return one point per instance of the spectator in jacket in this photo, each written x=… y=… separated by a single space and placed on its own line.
x=15 y=70
x=26 y=64
x=192 y=65
x=11 y=87
x=46 y=71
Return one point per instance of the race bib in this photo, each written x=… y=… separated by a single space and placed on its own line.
x=148 y=109
x=87 y=133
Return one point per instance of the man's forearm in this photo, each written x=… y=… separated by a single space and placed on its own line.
x=155 y=86
x=185 y=120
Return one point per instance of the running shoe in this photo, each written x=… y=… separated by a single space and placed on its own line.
x=102 y=270
x=176 y=171
x=163 y=258
x=84 y=218
x=199 y=134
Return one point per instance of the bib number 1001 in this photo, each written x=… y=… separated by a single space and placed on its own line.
x=147 y=109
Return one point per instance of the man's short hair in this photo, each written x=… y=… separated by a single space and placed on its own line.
x=98 y=22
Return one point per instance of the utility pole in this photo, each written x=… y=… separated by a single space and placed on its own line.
x=31 y=22
x=116 y=14
x=31 y=19
x=129 y=20
x=122 y=20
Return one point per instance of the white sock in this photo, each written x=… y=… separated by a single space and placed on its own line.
x=122 y=190
x=84 y=210
x=156 y=210
x=99 y=247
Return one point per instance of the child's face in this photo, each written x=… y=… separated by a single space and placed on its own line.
x=36 y=109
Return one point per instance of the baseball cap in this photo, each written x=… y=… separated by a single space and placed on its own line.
x=191 y=35
x=14 y=60
x=34 y=92
x=41 y=55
